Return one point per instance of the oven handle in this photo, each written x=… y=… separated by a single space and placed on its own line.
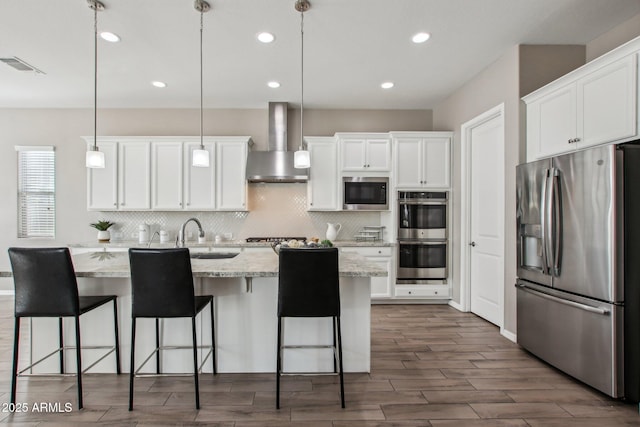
x=437 y=202
x=422 y=242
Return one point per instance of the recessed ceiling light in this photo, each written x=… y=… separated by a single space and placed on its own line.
x=110 y=37
x=159 y=84
x=273 y=85
x=266 y=37
x=420 y=37
x=386 y=85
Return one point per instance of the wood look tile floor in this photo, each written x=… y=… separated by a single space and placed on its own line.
x=431 y=366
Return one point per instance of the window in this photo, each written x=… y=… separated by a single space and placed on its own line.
x=36 y=191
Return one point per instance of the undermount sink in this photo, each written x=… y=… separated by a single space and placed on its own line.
x=214 y=255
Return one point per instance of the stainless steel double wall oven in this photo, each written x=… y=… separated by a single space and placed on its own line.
x=423 y=233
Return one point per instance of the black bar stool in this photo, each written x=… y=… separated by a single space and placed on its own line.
x=309 y=286
x=46 y=286
x=162 y=287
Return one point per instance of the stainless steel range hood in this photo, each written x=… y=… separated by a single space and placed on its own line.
x=275 y=165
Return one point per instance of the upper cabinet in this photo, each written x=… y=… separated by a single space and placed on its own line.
x=102 y=184
x=157 y=174
x=199 y=183
x=231 y=191
x=134 y=175
x=322 y=187
x=595 y=104
x=422 y=159
x=364 y=152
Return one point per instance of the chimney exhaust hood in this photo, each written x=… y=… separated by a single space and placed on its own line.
x=275 y=165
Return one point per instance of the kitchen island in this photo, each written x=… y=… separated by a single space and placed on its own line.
x=245 y=289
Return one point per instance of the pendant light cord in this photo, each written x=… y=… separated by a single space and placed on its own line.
x=95 y=78
x=301 y=79
x=201 y=79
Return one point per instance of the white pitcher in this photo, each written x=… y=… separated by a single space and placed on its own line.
x=332 y=230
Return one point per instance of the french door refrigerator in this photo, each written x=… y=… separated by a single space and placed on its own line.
x=578 y=286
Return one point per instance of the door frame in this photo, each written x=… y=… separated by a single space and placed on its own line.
x=465 y=205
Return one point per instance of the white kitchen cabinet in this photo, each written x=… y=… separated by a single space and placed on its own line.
x=166 y=176
x=381 y=287
x=199 y=183
x=231 y=183
x=134 y=173
x=365 y=152
x=102 y=184
x=322 y=186
x=422 y=160
x=595 y=104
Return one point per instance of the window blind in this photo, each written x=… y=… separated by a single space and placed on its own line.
x=36 y=192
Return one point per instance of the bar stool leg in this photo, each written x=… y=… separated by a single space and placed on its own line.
x=79 y=362
x=340 y=361
x=132 y=367
x=61 y=341
x=213 y=340
x=335 y=356
x=278 y=362
x=157 y=346
x=117 y=338
x=195 y=361
x=14 y=376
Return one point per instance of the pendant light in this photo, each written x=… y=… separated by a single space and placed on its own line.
x=201 y=156
x=95 y=158
x=301 y=158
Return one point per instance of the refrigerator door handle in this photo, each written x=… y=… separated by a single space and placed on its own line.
x=556 y=225
x=547 y=230
x=543 y=223
x=597 y=310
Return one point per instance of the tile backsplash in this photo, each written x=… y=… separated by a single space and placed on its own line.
x=274 y=210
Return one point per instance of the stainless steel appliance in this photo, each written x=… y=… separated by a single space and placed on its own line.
x=578 y=287
x=365 y=193
x=422 y=215
x=423 y=245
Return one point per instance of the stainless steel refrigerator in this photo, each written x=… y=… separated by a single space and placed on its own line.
x=578 y=265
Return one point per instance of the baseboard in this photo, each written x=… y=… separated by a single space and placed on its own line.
x=6 y=292
x=456 y=305
x=509 y=335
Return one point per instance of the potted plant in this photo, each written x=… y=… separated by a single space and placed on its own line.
x=103 y=230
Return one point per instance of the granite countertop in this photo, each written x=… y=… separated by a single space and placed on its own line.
x=245 y=264
x=213 y=245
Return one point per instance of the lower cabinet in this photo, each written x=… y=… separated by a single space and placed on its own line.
x=382 y=255
x=423 y=291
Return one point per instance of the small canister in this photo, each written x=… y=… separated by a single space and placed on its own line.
x=143 y=233
x=164 y=236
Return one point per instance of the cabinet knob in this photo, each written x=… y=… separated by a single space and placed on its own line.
x=409 y=292
x=115 y=204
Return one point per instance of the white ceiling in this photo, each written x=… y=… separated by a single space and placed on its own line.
x=351 y=46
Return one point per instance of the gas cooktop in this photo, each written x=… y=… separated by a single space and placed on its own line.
x=273 y=239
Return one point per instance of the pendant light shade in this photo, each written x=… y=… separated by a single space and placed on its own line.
x=95 y=158
x=200 y=157
x=302 y=158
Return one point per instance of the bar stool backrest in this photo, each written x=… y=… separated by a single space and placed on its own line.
x=308 y=284
x=45 y=282
x=161 y=283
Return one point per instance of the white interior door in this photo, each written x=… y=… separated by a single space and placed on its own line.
x=486 y=218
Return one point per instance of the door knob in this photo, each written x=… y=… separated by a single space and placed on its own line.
x=473 y=244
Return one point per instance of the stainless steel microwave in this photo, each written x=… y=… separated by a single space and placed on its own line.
x=365 y=193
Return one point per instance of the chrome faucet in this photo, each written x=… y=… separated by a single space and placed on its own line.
x=151 y=239
x=181 y=238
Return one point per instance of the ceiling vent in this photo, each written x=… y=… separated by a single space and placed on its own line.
x=20 y=65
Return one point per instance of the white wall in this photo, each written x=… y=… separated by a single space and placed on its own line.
x=624 y=32
x=495 y=85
